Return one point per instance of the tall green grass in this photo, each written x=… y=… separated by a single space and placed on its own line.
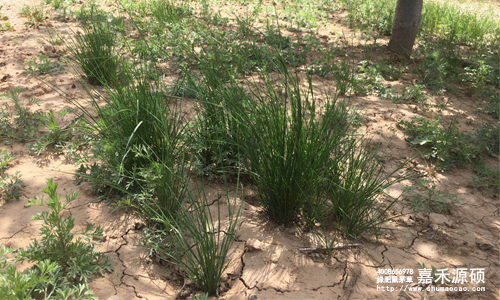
x=140 y=133
x=355 y=186
x=449 y=21
x=95 y=52
x=214 y=132
x=287 y=143
x=200 y=238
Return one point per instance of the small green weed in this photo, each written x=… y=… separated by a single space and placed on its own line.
x=56 y=136
x=446 y=145
x=17 y=123
x=487 y=139
x=440 y=65
x=35 y=13
x=477 y=77
x=42 y=64
x=487 y=180
x=12 y=186
x=413 y=94
x=5 y=25
x=425 y=197
x=63 y=264
x=5 y=158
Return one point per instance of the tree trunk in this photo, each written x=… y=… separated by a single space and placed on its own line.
x=405 y=26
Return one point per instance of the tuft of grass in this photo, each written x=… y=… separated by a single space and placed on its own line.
x=214 y=131
x=140 y=137
x=94 y=51
x=287 y=143
x=200 y=237
x=354 y=188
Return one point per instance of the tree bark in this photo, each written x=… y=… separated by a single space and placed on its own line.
x=405 y=26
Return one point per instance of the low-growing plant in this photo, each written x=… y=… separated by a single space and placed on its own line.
x=63 y=264
x=5 y=25
x=5 y=159
x=76 y=256
x=34 y=12
x=388 y=71
x=425 y=197
x=486 y=179
x=445 y=144
x=368 y=81
x=492 y=105
x=12 y=186
x=440 y=65
x=413 y=94
x=487 y=138
x=42 y=64
x=42 y=280
x=56 y=134
x=477 y=77
x=18 y=123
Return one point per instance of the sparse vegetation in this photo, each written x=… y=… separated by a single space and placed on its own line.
x=426 y=197
x=18 y=123
x=42 y=64
x=183 y=99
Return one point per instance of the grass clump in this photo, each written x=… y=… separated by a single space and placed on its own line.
x=214 y=132
x=94 y=51
x=140 y=138
x=288 y=144
x=354 y=188
x=200 y=238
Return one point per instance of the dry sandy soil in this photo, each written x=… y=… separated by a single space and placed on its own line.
x=266 y=262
